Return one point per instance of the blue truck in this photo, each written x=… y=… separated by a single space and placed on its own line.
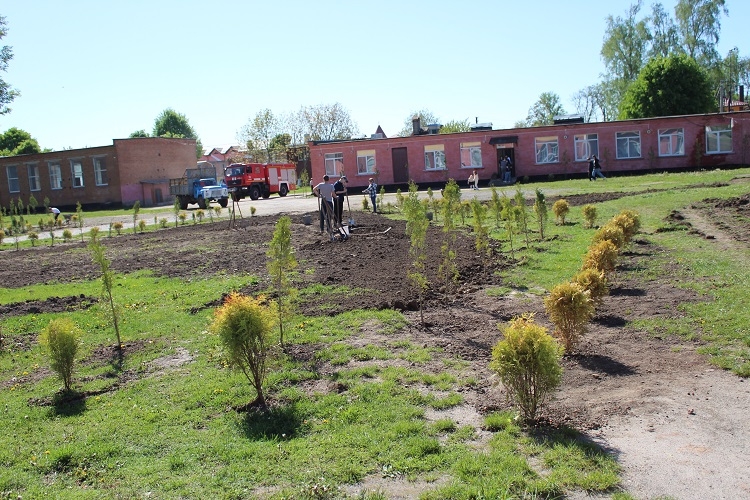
x=199 y=186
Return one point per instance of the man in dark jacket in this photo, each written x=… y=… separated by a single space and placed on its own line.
x=339 y=190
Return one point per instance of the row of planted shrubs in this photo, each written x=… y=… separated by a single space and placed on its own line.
x=527 y=360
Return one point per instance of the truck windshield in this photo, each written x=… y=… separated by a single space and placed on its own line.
x=208 y=182
x=234 y=171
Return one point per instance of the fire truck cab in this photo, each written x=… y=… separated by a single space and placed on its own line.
x=260 y=179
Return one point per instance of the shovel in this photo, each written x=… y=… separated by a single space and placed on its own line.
x=351 y=221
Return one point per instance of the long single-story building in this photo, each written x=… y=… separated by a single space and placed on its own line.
x=562 y=150
x=130 y=170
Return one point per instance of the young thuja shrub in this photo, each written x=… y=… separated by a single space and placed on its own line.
x=67 y=235
x=200 y=214
x=381 y=196
x=594 y=282
x=496 y=206
x=465 y=210
x=176 y=209
x=481 y=234
x=192 y=215
x=281 y=267
x=244 y=326
x=31 y=206
x=610 y=232
x=522 y=217
x=365 y=204
x=108 y=279
x=136 y=210
x=589 y=215
x=447 y=269
x=253 y=210
x=561 y=208
x=183 y=218
x=399 y=200
x=217 y=211
x=601 y=256
x=508 y=215
x=630 y=223
x=570 y=308
x=79 y=218
x=117 y=226
x=141 y=225
x=51 y=238
x=61 y=338
x=527 y=360
x=33 y=236
x=540 y=209
x=94 y=233
x=163 y=222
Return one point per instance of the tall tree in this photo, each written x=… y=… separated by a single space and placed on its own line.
x=7 y=93
x=327 y=122
x=138 y=133
x=170 y=123
x=665 y=39
x=258 y=134
x=17 y=142
x=698 y=25
x=625 y=45
x=426 y=117
x=544 y=110
x=667 y=86
x=454 y=126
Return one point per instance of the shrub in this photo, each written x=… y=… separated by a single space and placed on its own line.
x=200 y=214
x=589 y=215
x=601 y=256
x=540 y=209
x=281 y=265
x=594 y=282
x=527 y=361
x=33 y=236
x=117 y=226
x=365 y=204
x=60 y=337
x=183 y=217
x=630 y=223
x=67 y=235
x=244 y=326
x=217 y=211
x=569 y=308
x=610 y=232
x=141 y=225
x=163 y=223
x=561 y=209
x=94 y=233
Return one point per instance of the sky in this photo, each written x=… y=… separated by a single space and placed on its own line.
x=93 y=71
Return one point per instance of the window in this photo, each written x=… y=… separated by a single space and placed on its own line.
x=334 y=163
x=628 y=145
x=100 y=172
x=718 y=139
x=585 y=146
x=471 y=155
x=366 y=162
x=77 y=170
x=434 y=157
x=32 y=170
x=546 y=149
x=671 y=142
x=13 y=185
x=55 y=175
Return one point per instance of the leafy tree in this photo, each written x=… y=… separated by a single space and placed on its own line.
x=258 y=134
x=61 y=338
x=674 y=85
x=327 y=122
x=108 y=283
x=527 y=361
x=426 y=117
x=625 y=44
x=665 y=39
x=416 y=228
x=7 y=93
x=244 y=326
x=281 y=265
x=454 y=126
x=170 y=123
x=544 y=110
x=699 y=25
x=139 y=133
x=17 y=142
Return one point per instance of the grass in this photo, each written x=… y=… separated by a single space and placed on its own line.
x=169 y=428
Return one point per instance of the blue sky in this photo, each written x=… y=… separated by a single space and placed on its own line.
x=93 y=71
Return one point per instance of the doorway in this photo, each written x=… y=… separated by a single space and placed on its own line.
x=400 y=166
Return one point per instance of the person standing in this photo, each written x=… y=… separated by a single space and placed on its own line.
x=595 y=168
x=509 y=169
x=470 y=181
x=339 y=189
x=503 y=169
x=372 y=190
x=324 y=191
x=476 y=180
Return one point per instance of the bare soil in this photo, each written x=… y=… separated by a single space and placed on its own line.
x=678 y=426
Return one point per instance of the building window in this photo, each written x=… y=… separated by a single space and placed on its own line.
x=100 y=172
x=13 y=185
x=434 y=157
x=334 y=163
x=471 y=155
x=586 y=145
x=55 y=175
x=628 y=145
x=32 y=170
x=366 y=162
x=718 y=139
x=671 y=142
x=76 y=168
x=546 y=149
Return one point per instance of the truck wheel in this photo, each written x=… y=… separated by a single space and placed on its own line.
x=283 y=190
x=183 y=203
x=223 y=202
x=254 y=193
x=201 y=203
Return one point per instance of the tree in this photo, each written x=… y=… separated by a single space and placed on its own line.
x=16 y=141
x=544 y=110
x=139 y=133
x=698 y=25
x=258 y=134
x=669 y=86
x=281 y=265
x=417 y=224
x=327 y=122
x=108 y=283
x=170 y=123
x=625 y=45
x=454 y=126
x=425 y=116
x=664 y=36
x=7 y=93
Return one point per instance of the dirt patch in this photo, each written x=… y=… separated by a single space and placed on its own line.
x=50 y=305
x=675 y=424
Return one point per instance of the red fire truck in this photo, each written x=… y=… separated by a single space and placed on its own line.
x=260 y=179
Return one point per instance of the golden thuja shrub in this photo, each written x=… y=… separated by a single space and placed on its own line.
x=630 y=223
x=589 y=215
x=561 y=209
x=61 y=339
x=569 y=307
x=610 y=232
x=594 y=282
x=601 y=256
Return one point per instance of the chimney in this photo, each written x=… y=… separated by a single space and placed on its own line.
x=415 y=129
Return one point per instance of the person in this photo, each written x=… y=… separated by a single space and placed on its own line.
x=470 y=181
x=372 y=190
x=503 y=169
x=324 y=191
x=55 y=212
x=595 y=168
x=476 y=180
x=509 y=169
x=339 y=189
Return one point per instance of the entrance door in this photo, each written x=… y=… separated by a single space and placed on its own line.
x=502 y=152
x=400 y=166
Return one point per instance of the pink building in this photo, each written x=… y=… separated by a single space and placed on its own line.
x=561 y=150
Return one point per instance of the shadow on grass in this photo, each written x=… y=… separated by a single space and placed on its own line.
x=279 y=422
x=68 y=403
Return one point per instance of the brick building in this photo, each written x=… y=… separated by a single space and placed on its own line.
x=128 y=170
x=628 y=146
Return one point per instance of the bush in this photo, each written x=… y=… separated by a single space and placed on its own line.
x=630 y=223
x=527 y=361
x=244 y=326
x=610 y=232
x=67 y=235
x=594 y=282
x=94 y=233
x=141 y=225
x=601 y=256
x=569 y=308
x=33 y=236
x=589 y=215
x=117 y=226
x=60 y=337
x=561 y=209
x=163 y=222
